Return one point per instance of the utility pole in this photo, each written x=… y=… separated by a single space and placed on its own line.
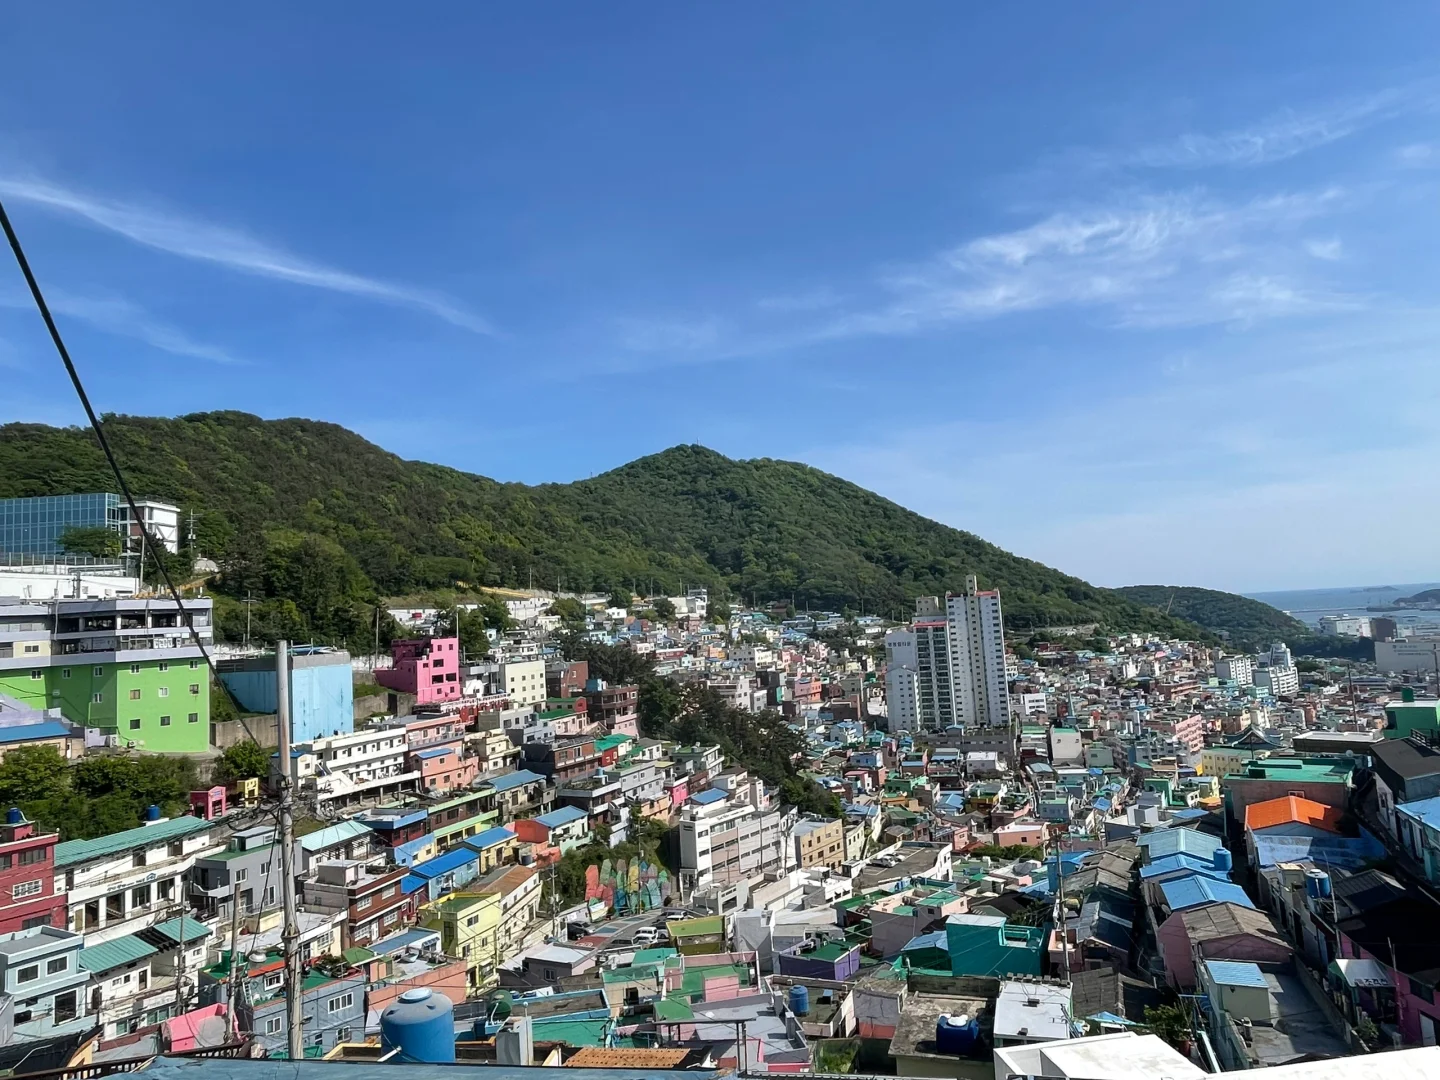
x=238 y=963
x=294 y=977
x=249 y=603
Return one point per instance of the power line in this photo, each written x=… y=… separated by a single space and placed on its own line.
x=146 y=539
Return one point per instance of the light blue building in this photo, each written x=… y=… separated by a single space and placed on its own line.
x=322 y=689
x=33 y=526
x=40 y=970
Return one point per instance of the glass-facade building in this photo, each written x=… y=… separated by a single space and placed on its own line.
x=34 y=526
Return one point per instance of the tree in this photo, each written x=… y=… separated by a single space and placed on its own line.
x=243 y=761
x=664 y=608
x=718 y=611
x=621 y=598
x=94 y=540
x=30 y=773
x=570 y=612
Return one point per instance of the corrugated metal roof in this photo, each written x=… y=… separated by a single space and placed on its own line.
x=513 y=780
x=1235 y=973
x=708 y=796
x=443 y=864
x=48 y=729
x=171 y=928
x=1197 y=890
x=112 y=954
x=563 y=816
x=73 y=852
x=490 y=837
x=333 y=834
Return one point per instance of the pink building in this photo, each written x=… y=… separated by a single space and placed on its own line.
x=441 y=768
x=1189 y=730
x=429 y=668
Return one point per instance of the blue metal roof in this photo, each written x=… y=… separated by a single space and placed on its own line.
x=435 y=751
x=406 y=939
x=48 y=729
x=513 y=780
x=411 y=884
x=934 y=940
x=1343 y=852
x=1173 y=864
x=1199 y=891
x=443 y=864
x=1235 y=973
x=1425 y=811
x=708 y=796
x=563 y=816
x=490 y=837
x=1163 y=842
x=333 y=834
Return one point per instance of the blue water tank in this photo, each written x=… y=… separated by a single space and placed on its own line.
x=421 y=1025
x=958 y=1036
x=152 y=813
x=800 y=1000
x=1223 y=861
x=1317 y=884
x=13 y=816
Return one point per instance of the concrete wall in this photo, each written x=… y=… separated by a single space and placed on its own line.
x=227 y=733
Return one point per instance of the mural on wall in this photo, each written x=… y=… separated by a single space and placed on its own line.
x=620 y=887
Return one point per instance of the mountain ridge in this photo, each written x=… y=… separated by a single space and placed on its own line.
x=274 y=495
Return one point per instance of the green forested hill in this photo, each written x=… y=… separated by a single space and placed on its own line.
x=1250 y=623
x=314 y=514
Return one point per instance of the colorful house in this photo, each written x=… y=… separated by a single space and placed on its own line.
x=989 y=945
x=567 y=828
x=428 y=668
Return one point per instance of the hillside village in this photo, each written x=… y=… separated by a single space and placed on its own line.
x=661 y=831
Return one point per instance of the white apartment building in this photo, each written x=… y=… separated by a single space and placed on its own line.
x=737 y=690
x=162 y=520
x=1345 y=625
x=723 y=842
x=120 y=884
x=902 y=698
x=1415 y=654
x=1239 y=670
x=523 y=681
x=1279 y=680
x=752 y=657
x=977 y=656
x=356 y=764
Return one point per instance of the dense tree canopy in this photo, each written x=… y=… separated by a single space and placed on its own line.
x=319 y=524
x=98 y=795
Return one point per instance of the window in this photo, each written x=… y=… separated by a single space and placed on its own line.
x=64 y=1007
x=193 y=718
x=98 y=672
x=364 y=902
x=195 y=688
x=139 y=859
x=32 y=923
x=97 y=698
x=36 y=673
x=272 y=1025
x=164 y=691
x=28 y=974
x=140 y=896
x=164 y=666
x=338 y=1004
x=135 y=725
x=134 y=669
x=273 y=980
x=194 y=664
x=134 y=695
x=32 y=856
x=166 y=888
x=342 y=1034
x=241 y=874
x=22 y=889
x=164 y=721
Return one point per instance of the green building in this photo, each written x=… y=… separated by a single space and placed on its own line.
x=122 y=668
x=1408 y=716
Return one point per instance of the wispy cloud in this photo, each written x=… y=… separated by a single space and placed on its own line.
x=1283 y=135
x=1329 y=250
x=1185 y=254
x=204 y=241
x=807 y=300
x=120 y=317
x=670 y=335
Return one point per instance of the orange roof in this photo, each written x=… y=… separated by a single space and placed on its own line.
x=1292 y=809
x=596 y=1057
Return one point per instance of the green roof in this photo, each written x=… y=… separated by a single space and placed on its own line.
x=610 y=742
x=693 y=981
x=710 y=924
x=673 y=1008
x=194 y=931
x=652 y=956
x=112 y=954
x=357 y=955
x=830 y=951
x=73 y=852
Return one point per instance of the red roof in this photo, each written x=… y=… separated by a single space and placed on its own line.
x=1291 y=809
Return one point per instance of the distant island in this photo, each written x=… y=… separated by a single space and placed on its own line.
x=1375 y=588
x=1429 y=600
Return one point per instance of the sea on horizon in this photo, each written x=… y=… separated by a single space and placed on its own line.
x=1309 y=605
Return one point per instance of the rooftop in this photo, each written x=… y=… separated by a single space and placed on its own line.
x=915 y=1030
x=75 y=852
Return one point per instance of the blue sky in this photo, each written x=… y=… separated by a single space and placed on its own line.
x=1146 y=293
